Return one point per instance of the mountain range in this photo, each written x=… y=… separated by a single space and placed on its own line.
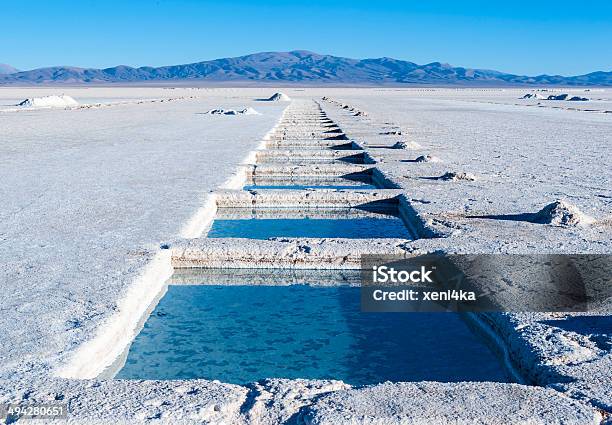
x=7 y=69
x=298 y=68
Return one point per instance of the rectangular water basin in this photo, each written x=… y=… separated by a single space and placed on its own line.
x=297 y=183
x=313 y=144
x=240 y=333
x=322 y=223
x=350 y=159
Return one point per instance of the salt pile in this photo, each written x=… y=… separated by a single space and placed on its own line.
x=578 y=99
x=452 y=176
x=405 y=145
x=562 y=96
x=561 y=213
x=279 y=97
x=249 y=111
x=428 y=158
x=49 y=102
x=221 y=112
x=246 y=111
x=565 y=96
x=532 y=96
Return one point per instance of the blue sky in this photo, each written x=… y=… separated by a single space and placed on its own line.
x=534 y=37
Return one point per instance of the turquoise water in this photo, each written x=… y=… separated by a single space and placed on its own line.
x=309 y=186
x=241 y=334
x=352 y=159
x=265 y=228
x=310 y=183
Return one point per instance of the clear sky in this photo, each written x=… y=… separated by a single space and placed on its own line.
x=525 y=37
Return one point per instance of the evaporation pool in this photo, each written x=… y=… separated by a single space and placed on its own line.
x=351 y=159
x=243 y=333
x=271 y=223
x=361 y=182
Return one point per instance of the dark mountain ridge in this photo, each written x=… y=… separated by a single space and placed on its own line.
x=300 y=68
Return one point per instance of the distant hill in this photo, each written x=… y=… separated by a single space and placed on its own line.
x=7 y=69
x=301 y=68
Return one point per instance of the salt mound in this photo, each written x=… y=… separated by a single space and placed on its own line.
x=49 y=102
x=428 y=158
x=562 y=96
x=566 y=96
x=532 y=96
x=452 y=176
x=219 y=112
x=561 y=213
x=578 y=99
x=405 y=145
x=246 y=111
x=279 y=97
x=249 y=111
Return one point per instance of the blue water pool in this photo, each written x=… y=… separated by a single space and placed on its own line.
x=305 y=183
x=265 y=228
x=352 y=159
x=240 y=334
x=310 y=186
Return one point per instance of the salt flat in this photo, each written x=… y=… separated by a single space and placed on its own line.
x=522 y=159
x=90 y=195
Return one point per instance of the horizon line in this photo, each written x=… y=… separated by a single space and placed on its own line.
x=288 y=52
